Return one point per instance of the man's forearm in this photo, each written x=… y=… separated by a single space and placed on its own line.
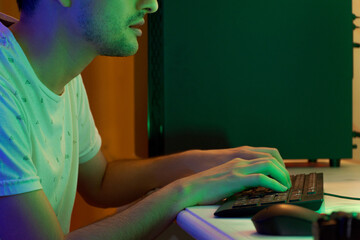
x=144 y=220
x=148 y=217
x=128 y=180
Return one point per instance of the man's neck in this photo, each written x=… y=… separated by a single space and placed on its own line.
x=55 y=53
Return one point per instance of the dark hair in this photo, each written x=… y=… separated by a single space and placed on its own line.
x=27 y=6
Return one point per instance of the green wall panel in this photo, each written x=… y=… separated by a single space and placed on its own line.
x=259 y=73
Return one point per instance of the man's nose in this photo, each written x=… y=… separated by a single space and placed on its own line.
x=150 y=6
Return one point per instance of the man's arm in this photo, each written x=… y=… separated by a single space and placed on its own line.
x=30 y=216
x=148 y=217
x=112 y=184
x=120 y=182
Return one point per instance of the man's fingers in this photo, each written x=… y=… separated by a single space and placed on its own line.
x=251 y=154
x=273 y=151
x=269 y=167
x=254 y=180
x=280 y=166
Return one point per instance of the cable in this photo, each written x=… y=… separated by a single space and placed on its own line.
x=340 y=196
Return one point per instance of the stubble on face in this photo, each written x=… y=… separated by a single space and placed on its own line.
x=107 y=30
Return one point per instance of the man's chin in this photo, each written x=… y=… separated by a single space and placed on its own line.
x=127 y=53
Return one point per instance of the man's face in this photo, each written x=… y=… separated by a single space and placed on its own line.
x=105 y=24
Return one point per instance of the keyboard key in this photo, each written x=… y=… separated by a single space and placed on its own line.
x=311 y=184
x=268 y=199
x=295 y=197
x=281 y=197
x=246 y=202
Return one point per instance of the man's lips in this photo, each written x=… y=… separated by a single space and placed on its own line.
x=138 y=24
x=135 y=28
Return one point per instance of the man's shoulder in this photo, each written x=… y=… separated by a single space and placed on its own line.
x=13 y=62
x=8 y=59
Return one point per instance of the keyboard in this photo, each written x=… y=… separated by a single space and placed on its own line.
x=306 y=191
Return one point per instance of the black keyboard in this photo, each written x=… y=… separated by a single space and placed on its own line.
x=306 y=191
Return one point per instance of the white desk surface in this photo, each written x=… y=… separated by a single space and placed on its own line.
x=200 y=223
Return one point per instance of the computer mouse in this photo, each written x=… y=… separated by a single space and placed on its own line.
x=285 y=220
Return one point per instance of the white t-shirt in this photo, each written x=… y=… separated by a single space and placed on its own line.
x=43 y=136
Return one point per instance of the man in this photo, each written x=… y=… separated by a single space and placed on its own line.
x=49 y=143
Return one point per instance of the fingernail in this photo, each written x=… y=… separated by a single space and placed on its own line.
x=283 y=188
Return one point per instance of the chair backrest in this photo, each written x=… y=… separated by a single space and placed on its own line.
x=7 y=20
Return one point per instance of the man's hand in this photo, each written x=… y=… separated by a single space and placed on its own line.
x=212 y=185
x=200 y=160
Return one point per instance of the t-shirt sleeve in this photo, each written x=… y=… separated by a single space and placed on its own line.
x=17 y=171
x=89 y=137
